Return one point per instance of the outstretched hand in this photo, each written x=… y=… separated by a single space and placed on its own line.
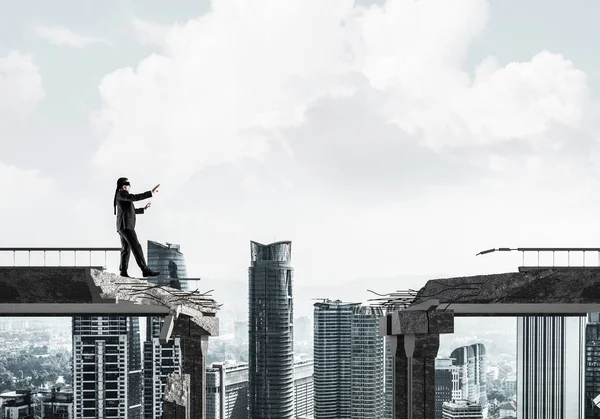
x=148 y=205
x=155 y=189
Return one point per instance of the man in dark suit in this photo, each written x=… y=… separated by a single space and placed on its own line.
x=126 y=211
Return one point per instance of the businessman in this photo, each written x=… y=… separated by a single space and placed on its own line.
x=126 y=212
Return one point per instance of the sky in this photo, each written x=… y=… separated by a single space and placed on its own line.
x=383 y=138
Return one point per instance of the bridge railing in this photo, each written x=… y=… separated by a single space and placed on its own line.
x=554 y=256
x=57 y=250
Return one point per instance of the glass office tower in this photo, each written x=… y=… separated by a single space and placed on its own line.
x=270 y=332
x=170 y=262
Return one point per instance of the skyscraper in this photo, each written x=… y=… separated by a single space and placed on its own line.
x=388 y=382
x=170 y=262
x=106 y=367
x=303 y=389
x=349 y=362
x=471 y=363
x=333 y=359
x=227 y=390
x=550 y=367
x=161 y=359
x=592 y=367
x=367 y=364
x=446 y=384
x=270 y=331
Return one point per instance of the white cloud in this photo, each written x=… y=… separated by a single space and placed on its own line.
x=14 y=179
x=350 y=106
x=149 y=32
x=63 y=36
x=26 y=203
x=519 y=100
x=20 y=86
x=229 y=81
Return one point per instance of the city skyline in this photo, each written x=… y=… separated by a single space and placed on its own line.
x=471 y=356
x=389 y=140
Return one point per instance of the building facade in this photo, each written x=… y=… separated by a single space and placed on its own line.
x=592 y=367
x=367 y=364
x=333 y=359
x=447 y=387
x=17 y=404
x=170 y=262
x=471 y=363
x=271 y=331
x=227 y=390
x=462 y=409
x=349 y=361
x=388 y=381
x=303 y=388
x=550 y=367
x=107 y=373
x=58 y=405
x=160 y=360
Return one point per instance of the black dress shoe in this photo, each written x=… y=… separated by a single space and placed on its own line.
x=150 y=272
x=125 y=275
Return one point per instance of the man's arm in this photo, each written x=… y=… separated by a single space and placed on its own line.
x=123 y=195
x=139 y=210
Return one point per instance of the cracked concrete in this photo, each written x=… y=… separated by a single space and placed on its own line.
x=45 y=285
x=73 y=290
x=552 y=286
x=177 y=389
x=417 y=322
x=414 y=332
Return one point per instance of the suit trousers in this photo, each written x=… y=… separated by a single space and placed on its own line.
x=130 y=243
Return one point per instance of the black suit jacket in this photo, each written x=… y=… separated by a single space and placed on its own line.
x=126 y=211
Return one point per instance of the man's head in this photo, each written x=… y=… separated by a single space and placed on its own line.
x=123 y=183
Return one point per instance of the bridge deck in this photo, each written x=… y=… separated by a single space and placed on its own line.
x=86 y=291
x=565 y=291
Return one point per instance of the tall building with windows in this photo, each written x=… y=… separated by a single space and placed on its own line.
x=388 y=382
x=107 y=381
x=17 y=404
x=550 y=367
x=471 y=363
x=303 y=389
x=446 y=384
x=367 y=364
x=227 y=390
x=58 y=405
x=170 y=262
x=462 y=409
x=160 y=360
x=271 y=331
x=333 y=359
x=388 y=386
x=349 y=361
x=592 y=367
